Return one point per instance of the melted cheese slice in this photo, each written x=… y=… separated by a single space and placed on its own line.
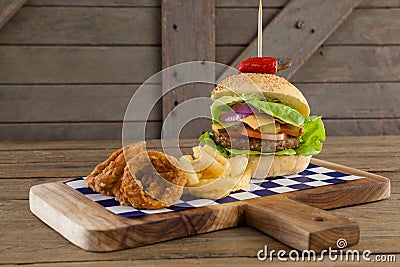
x=256 y=121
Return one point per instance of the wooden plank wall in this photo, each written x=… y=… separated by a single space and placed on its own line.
x=186 y=35
x=68 y=68
x=8 y=8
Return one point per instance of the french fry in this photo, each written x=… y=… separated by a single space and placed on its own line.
x=244 y=181
x=197 y=152
x=214 y=171
x=217 y=188
x=215 y=154
x=204 y=182
x=239 y=164
x=211 y=175
x=219 y=166
x=192 y=176
x=202 y=160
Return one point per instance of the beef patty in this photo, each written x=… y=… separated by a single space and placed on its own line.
x=256 y=144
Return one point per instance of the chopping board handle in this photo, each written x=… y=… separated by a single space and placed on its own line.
x=301 y=226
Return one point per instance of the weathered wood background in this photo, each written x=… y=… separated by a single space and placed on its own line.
x=68 y=68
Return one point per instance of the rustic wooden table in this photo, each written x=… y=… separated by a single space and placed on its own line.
x=24 y=239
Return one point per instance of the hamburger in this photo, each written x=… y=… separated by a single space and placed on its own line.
x=267 y=118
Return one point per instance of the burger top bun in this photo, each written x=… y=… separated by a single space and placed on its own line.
x=272 y=87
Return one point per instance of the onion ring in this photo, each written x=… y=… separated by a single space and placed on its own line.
x=151 y=180
x=106 y=177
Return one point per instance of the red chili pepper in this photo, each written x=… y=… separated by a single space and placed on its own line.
x=268 y=65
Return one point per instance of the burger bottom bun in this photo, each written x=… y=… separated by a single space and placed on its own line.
x=271 y=166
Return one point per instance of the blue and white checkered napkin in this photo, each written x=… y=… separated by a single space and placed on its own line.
x=313 y=176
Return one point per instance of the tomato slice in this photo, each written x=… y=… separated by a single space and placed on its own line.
x=290 y=132
x=256 y=134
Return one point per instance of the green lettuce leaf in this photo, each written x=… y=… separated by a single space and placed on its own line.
x=278 y=110
x=310 y=141
x=207 y=138
x=222 y=105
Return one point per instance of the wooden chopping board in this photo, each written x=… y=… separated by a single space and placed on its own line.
x=298 y=219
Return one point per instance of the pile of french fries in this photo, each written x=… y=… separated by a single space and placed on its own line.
x=211 y=175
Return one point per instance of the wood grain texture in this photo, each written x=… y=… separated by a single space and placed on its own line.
x=59 y=23
x=40 y=170
x=113 y=26
x=77 y=169
x=252 y=261
x=380 y=4
x=8 y=8
x=95 y=3
x=45 y=158
x=86 y=64
x=282 y=38
x=81 y=168
x=21 y=186
x=60 y=145
x=359 y=28
x=372 y=57
x=230 y=28
x=96 y=151
x=351 y=64
x=299 y=225
x=47 y=103
x=77 y=64
x=71 y=168
x=149 y=3
x=378 y=221
x=51 y=156
x=75 y=131
x=82 y=25
x=249 y=3
x=362 y=126
x=218 y=3
x=108 y=232
x=276 y=215
x=374 y=100
x=19 y=224
x=20 y=190
x=187 y=25
x=281 y=3
x=83 y=145
x=188 y=34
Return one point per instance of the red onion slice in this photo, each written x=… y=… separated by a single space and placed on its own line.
x=243 y=108
x=239 y=111
x=232 y=116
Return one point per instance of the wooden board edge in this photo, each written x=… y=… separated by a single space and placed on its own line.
x=371 y=188
x=117 y=232
x=299 y=225
x=61 y=220
x=348 y=170
x=54 y=204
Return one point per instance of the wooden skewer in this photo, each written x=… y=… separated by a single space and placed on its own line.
x=260 y=29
